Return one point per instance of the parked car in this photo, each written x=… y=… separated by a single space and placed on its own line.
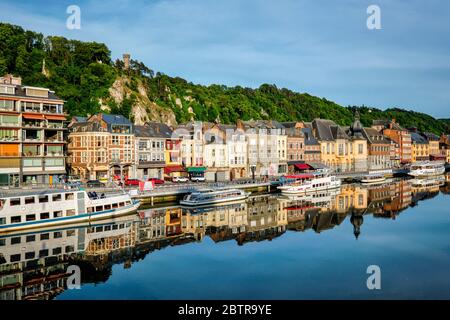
x=180 y=179
x=198 y=178
x=132 y=182
x=156 y=181
x=94 y=184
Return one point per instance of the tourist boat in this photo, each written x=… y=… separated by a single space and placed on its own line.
x=373 y=179
x=57 y=207
x=209 y=197
x=428 y=182
x=426 y=169
x=310 y=182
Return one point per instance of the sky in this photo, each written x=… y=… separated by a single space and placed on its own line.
x=322 y=47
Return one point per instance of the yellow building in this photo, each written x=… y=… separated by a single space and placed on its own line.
x=420 y=148
x=341 y=150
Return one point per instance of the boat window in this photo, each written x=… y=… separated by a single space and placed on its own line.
x=30 y=255
x=121 y=226
x=43 y=199
x=57 y=235
x=45 y=236
x=107 y=207
x=114 y=205
x=99 y=229
x=2 y=242
x=80 y=195
x=115 y=227
x=69 y=196
x=69 y=249
x=29 y=200
x=2 y=221
x=98 y=208
x=14 y=202
x=121 y=204
x=89 y=210
x=15 y=240
x=31 y=217
x=31 y=238
x=14 y=258
x=70 y=233
x=45 y=215
x=43 y=253
x=16 y=219
x=128 y=203
x=107 y=228
x=57 y=214
x=57 y=251
x=57 y=197
x=70 y=212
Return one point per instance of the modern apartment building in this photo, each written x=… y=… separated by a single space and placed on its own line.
x=32 y=146
x=102 y=147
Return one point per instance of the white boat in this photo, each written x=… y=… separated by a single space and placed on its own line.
x=57 y=207
x=311 y=182
x=209 y=197
x=373 y=179
x=428 y=182
x=426 y=169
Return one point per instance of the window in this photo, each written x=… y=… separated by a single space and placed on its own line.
x=45 y=236
x=31 y=238
x=360 y=148
x=2 y=221
x=57 y=251
x=114 y=205
x=107 y=207
x=45 y=215
x=70 y=233
x=56 y=197
x=14 y=202
x=16 y=219
x=15 y=240
x=2 y=242
x=57 y=235
x=43 y=199
x=98 y=208
x=57 y=214
x=31 y=217
x=43 y=253
x=29 y=255
x=69 y=249
x=69 y=196
x=15 y=258
x=115 y=140
x=29 y=200
x=70 y=212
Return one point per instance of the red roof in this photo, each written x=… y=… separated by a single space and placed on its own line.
x=303 y=166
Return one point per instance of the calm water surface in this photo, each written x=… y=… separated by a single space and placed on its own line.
x=269 y=247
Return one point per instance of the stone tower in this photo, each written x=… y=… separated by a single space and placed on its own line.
x=126 y=61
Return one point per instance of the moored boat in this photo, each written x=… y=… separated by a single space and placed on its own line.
x=310 y=182
x=426 y=169
x=57 y=207
x=373 y=179
x=210 y=197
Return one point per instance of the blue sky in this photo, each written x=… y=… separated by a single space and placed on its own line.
x=322 y=47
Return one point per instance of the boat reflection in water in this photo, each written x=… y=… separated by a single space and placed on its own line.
x=34 y=265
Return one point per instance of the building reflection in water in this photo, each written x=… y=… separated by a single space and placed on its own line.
x=33 y=265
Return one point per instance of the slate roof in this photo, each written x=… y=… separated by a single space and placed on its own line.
x=431 y=136
x=373 y=136
x=153 y=130
x=116 y=119
x=418 y=139
x=328 y=130
x=309 y=137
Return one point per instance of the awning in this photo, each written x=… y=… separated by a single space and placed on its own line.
x=33 y=116
x=55 y=117
x=196 y=169
x=170 y=169
x=303 y=166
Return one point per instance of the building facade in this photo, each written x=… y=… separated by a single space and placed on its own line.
x=420 y=148
x=103 y=147
x=32 y=145
x=399 y=135
x=379 y=149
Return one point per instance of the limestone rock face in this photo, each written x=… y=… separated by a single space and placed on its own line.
x=143 y=108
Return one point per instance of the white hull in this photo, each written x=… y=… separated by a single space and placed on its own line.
x=423 y=173
x=314 y=185
x=72 y=220
x=373 y=181
x=212 y=202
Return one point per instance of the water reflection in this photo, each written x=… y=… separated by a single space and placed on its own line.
x=33 y=265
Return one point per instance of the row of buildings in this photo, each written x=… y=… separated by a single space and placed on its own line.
x=39 y=144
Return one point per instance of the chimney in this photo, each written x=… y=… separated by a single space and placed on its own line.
x=126 y=61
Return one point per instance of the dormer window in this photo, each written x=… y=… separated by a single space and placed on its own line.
x=7 y=89
x=37 y=92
